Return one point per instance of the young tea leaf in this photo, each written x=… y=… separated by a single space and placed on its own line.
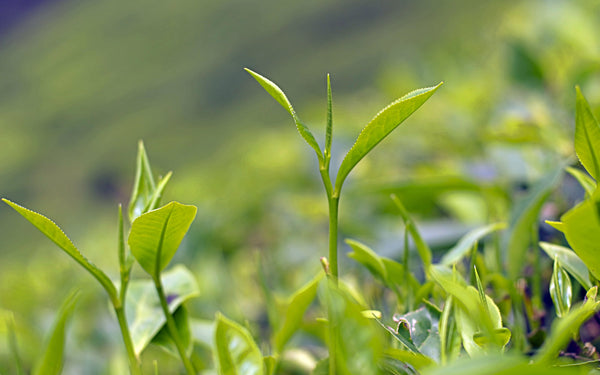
x=56 y=235
x=278 y=95
x=587 y=136
x=235 y=352
x=455 y=254
x=380 y=127
x=560 y=289
x=143 y=187
x=156 y=235
x=586 y=182
x=368 y=258
x=569 y=261
x=51 y=362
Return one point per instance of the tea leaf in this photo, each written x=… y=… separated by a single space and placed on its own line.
x=582 y=229
x=560 y=289
x=56 y=235
x=278 y=95
x=563 y=329
x=423 y=328
x=235 y=351
x=143 y=187
x=586 y=182
x=416 y=360
x=422 y=247
x=380 y=127
x=449 y=338
x=163 y=337
x=587 y=136
x=569 y=261
x=143 y=309
x=466 y=243
x=523 y=218
x=51 y=362
x=294 y=310
x=156 y=235
x=368 y=258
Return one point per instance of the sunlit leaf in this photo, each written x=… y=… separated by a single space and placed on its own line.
x=156 y=235
x=235 y=352
x=278 y=95
x=466 y=243
x=587 y=136
x=586 y=182
x=569 y=261
x=143 y=310
x=51 y=362
x=380 y=127
x=56 y=235
x=560 y=289
x=295 y=307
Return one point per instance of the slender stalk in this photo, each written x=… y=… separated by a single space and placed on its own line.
x=333 y=334
x=536 y=280
x=12 y=343
x=409 y=304
x=333 y=236
x=172 y=327
x=134 y=362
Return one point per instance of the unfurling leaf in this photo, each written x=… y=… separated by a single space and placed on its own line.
x=560 y=289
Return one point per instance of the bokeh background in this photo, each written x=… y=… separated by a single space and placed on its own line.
x=81 y=82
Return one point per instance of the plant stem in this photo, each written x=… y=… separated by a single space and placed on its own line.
x=333 y=236
x=134 y=362
x=536 y=287
x=172 y=327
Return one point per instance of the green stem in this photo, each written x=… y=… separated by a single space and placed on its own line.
x=172 y=327
x=134 y=362
x=536 y=287
x=333 y=236
x=333 y=334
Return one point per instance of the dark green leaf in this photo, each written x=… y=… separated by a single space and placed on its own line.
x=422 y=325
x=587 y=136
x=380 y=127
x=236 y=353
x=51 y=362
x=56 y=235
x=156 y=235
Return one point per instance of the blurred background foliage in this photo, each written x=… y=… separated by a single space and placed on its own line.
x=82 y=82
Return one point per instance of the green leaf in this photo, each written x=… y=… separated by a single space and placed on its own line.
x=294 y=309
x=569 y=261
x=380 y=127
x=449 y=338
x=56 y=235
x=423 y=325
x=51 y=362
x=163 y=337
x=236 y=352
x=559 y=226
x=203 y=332
x=523 y=218
x=156 y=235
x=143 y=310
x=143 y=187
x=278 y=95
x=563 y=329
x=416 y=360
x=422 y=247
x=586 y=182
x=587 y=136
x=368 y=258
x=466 y=243
x=561 y=291
x=582 y=229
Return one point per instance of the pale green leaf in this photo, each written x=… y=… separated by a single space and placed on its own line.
x=156 y=235
x=586 y=182
x=203 y=332
x=368 y=258
x=278 y=95
x=235 y=352
x=466 y=243
x=51 y=362
x=523 y=218
x=294 y=309
x=56 y=235
x=569 y=261
x=559 y=226
x=380 y=127
x=143 y=187
x=560 y=289
x=587 y=136
x=143 y=310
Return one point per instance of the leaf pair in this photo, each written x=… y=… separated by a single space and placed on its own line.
x=374 y=132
